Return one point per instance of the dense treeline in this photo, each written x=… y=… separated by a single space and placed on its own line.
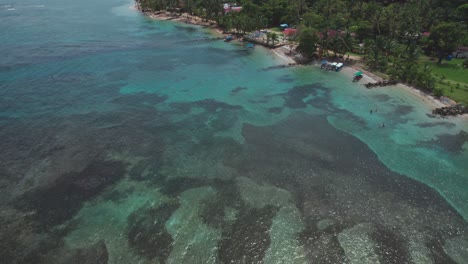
x=389 y=34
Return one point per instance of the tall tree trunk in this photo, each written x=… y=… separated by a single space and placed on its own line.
x=441 y=56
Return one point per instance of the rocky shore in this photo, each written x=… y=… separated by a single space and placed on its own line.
x=451 y=110
x=380 y=83
x=181 y=17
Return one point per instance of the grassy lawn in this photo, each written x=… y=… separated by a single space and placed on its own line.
x=455 y=78
x=453 y=70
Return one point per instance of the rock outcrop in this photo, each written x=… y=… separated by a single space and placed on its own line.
x=380 y=83
x=451 y=110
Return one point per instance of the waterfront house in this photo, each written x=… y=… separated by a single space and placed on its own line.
x=461 y=53
x=231 y=8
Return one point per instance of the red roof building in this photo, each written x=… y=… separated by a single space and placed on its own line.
x=290 y=32
x=230 y=8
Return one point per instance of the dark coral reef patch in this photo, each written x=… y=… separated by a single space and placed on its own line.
x=146 y=231
x=54 y=204
x=248 y=239
x=294 y=98
x=433 y=124
x=322 y=246
x=227 y=195
x=391 y=246
x=238 y=89
x=94 y=254
x=333 y=175
x=451 y=143
x=275 y=110
x=209 y=105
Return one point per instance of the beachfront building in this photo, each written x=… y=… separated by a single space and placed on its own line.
x=228 y=7
x=461 y=53
x=290 y=33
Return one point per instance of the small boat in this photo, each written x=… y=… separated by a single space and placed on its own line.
x=357 y=76
x=228 y=38
x=250 y=45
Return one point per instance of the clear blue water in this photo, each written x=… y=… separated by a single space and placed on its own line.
x=129 y=140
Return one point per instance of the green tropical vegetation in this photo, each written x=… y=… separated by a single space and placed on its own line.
x=452 y=78
x=392 y=36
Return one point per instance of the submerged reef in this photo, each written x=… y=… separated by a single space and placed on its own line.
x=147 y=233
x=94 y=254
x=298 y=188
x=53 y=204
x=248 y=238
x=150 y=142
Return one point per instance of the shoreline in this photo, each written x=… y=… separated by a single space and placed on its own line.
x=185 y=18
x=428 y=99
x=370 y=77
x=281 y=54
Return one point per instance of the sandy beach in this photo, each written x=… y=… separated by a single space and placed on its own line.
x=372 y=78
x=281 y=52
x=367 y=76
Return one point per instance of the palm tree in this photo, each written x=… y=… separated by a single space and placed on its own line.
x=274 y=37
x=373 y=49
x=323 y=43
x=268 y=38
x=412 y=52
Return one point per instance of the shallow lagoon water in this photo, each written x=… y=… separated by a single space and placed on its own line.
x=128 y=140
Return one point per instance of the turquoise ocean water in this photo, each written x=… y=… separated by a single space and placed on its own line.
x=129 y=140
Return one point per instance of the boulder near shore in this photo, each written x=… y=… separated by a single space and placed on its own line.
x=454 y=110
